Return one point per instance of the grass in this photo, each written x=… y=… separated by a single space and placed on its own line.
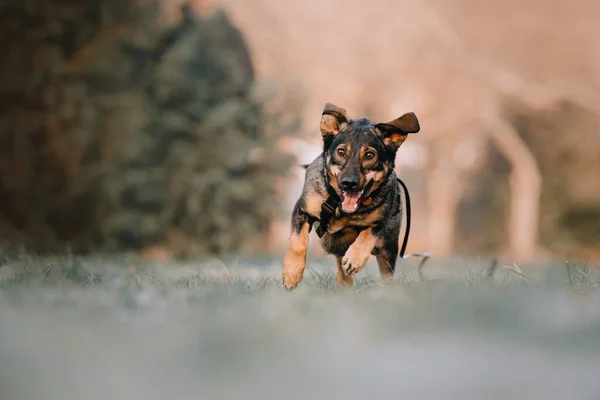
x=120 y=328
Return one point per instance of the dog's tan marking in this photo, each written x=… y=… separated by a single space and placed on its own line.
x=367 y=163
x=334 y=170
x=313 y=203
x=395 y=139
x=371 y=218
x=378 y=178
x=359 y=252
x=375 y=176
x=347 y=236
x=342 y=279
x=333 y=120
x=336 y=224
x=295 y=258
x=379 y=242
x=329 y=125
x=332 y=180
x=396 y=131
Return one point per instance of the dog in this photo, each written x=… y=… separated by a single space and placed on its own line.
x=351 y=193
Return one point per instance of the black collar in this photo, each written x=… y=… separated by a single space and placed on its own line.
x=329 y=206
x=327 y=211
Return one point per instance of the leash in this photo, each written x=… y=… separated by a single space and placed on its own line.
x=407 y=230
x=404 y=243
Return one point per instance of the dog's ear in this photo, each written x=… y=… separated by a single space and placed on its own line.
x=394 y=133
x=333 y=120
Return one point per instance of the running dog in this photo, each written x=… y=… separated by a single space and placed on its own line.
x=352 y=195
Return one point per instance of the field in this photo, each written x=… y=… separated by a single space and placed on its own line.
x=96 y=328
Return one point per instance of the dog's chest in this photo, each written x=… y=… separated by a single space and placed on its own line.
x=336 y=224
x=338 y=238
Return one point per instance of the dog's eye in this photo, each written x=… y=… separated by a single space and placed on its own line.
x=341 y=152
x=369 y=155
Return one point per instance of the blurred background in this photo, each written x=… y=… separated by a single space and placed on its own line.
x=176 y=128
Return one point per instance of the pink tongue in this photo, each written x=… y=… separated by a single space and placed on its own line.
x=350 y=202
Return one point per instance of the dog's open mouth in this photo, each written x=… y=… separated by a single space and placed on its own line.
x=350 y=201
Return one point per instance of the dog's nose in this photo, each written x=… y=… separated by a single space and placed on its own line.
x=350 y=182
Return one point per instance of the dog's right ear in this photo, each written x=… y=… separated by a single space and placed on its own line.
x=333 y=120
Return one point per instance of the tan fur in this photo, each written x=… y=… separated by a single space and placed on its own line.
x=333 y=180
x=359 y=252
x=329 y=125
x=313 y=204
x=341 y=278
x=372 y=218
x=334 y=170
x=378 y=178
x=295 y=258
x=348 y=235
x=375 y=176
x=337 y=224
x=363 y=151
x=395 y=139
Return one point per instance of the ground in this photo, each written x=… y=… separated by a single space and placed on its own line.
x=93 y=328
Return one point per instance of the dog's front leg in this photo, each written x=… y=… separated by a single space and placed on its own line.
x=359 y=252
x=295 y=258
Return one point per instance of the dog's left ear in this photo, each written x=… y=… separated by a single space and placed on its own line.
x=394 y=133
x=333 y=120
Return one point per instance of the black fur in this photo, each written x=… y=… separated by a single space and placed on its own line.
x=383 y=214
x=356 y=171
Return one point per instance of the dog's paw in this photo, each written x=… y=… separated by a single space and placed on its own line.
x=354 y=260
x=290 y=282
x=293 y=270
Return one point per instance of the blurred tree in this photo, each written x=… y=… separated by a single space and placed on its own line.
x=119 y=133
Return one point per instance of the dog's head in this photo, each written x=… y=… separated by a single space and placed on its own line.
x=360 y=154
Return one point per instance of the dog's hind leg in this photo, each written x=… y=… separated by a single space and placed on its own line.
x=294 y=262
x=386 y=258
x=342 y=279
